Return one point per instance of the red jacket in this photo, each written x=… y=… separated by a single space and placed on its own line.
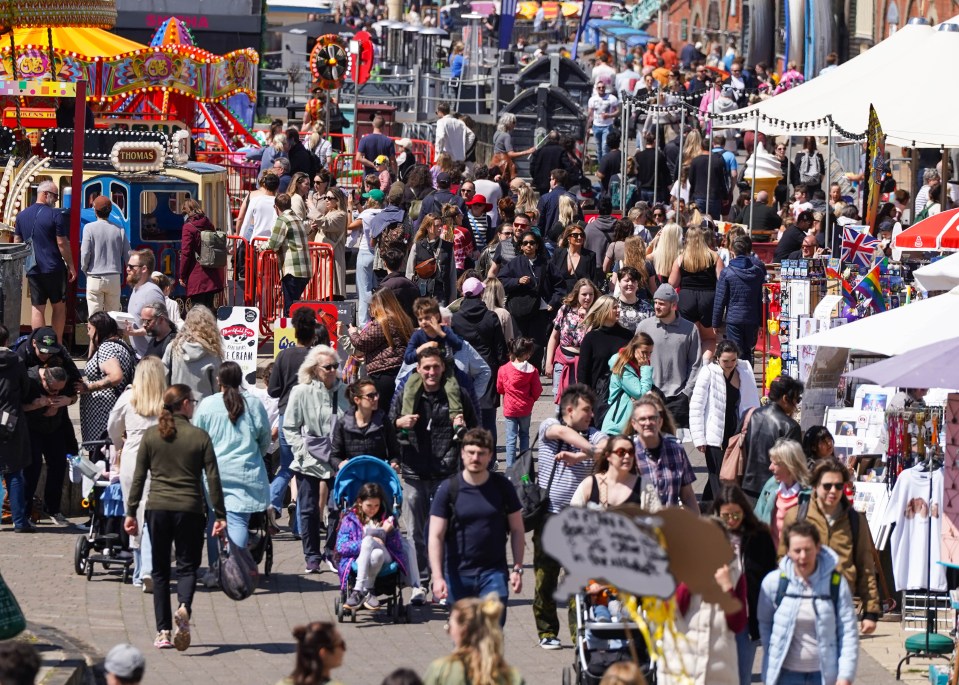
x=199 y=279
x=520 y=390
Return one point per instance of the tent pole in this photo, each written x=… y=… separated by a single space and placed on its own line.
x=752 y=200
x=789 y=162
x=944 y=180
x=679 y=164
x=623 y=152
x=655 y=166
x=709 y=166
x=828 y=190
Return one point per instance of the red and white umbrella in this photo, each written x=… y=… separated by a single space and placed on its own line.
x=937 y=232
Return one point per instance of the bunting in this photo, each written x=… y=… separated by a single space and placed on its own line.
x=870 y=288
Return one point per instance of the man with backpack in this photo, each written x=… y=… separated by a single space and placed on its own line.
x=845 y=531
x=290 y=241
x=472 y=514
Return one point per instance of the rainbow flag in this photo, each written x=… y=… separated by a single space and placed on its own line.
x=870 y=288
x=848 y=294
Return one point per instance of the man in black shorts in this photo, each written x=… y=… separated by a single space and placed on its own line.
x=47 y=229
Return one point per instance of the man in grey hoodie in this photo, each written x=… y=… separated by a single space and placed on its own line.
x=739 y=295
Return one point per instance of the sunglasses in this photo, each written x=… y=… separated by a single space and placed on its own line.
x=329 y=367
x=467 y=190
x=331 y=198
x=731 y=517
x=623 y=452
x=371 y=396
x=520 y=225
x=506 y=233
x=578 y=236
x=131 y=267
x=832 y=486
x=528 y=242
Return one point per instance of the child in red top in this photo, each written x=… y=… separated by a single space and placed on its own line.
x=518 y=383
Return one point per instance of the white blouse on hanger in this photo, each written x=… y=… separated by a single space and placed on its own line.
x=912 y=512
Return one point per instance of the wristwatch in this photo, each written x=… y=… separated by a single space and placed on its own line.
x=517 y=569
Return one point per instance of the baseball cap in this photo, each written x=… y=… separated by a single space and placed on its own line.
x=125 y=661
x=699 y=45
x=666 y=293
x=442 y=179
x=375 y=194
x=46 y=339
x=101 y=203
x=381 y=159
x=473 y=287
x=404 y=142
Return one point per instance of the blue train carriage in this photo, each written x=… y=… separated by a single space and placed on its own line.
x=148 y=177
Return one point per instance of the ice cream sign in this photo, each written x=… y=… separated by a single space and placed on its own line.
x=238 y=327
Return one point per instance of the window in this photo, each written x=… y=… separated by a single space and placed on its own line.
x=159 y=218
x=684 y=29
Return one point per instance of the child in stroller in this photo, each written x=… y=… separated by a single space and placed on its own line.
x=372 y=559
x=603 y=637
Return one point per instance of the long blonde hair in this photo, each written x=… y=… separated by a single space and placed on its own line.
x=481 y=648
x=149 y=384
x=634 y=255
x=524 y=199
x=494 y=294
x=597 y=314
x=567 y=212
x=692 y=146
x=668 y=247
x=790 y=454
x=200 y=327
x=696 y=254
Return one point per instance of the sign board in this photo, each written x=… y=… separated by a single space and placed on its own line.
x=30 y=117
x=283 y=335
x=239 y=326
x=165 y=126
x=138 y=156
x=328 y=313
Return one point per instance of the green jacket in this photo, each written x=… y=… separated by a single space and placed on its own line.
x=449 y=670
x=176 y=468
x=313 y=407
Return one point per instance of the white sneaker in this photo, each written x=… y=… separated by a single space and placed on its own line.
x=550 y=643
x=58 y=519
x=148 y=585
x=418 y=596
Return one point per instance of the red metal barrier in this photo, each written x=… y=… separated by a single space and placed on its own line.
x=321 y=269
x=423 y=150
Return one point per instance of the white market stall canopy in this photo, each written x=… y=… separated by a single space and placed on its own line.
x=940 y=275
x=921 y=115
x=897 y=330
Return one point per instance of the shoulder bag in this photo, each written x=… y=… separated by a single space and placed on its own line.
x=320 y=446
x=734 y=460
x=533 y=499
x=12 y=620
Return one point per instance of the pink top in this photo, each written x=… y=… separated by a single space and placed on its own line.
x=520 y=388
x=783 y=504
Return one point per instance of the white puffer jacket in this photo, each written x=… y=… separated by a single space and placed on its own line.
x=707 y=407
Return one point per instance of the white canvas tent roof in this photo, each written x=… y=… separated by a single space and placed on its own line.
x=898 y=330
x=940 y=275
x=920 y=115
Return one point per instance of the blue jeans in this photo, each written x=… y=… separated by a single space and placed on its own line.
x=795 y=678
x=712 y=207
x=746 y=654
x=143 y=557
x=16 y=484
x=744 y=337
x=364 y=285
x=284 y=475
x=516 y=427
x=479 y=584
x=601 y=133
x=237 y=529
x=557 y=374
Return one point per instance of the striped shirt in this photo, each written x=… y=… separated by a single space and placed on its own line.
x=290 y=242
x=566 y=478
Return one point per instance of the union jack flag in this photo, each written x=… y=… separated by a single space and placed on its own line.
x=857 y=247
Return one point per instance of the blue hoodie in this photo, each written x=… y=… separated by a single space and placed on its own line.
x=837 y=658
x=739 y=293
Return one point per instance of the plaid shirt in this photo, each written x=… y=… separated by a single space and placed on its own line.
x=669 y=472
x=290 y=242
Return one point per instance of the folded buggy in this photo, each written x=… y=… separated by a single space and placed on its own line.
x=352 y=475
x=603 y=642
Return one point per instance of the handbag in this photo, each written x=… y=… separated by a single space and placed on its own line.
x=237 y=572
x=426 y=269
x=734 y=459
x=320 y=446
x=12 y=620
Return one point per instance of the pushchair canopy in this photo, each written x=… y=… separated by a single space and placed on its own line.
x=358 y=471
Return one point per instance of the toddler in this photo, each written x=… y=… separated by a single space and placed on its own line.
x=518 y=383
x=163 y=282
x=431 y=333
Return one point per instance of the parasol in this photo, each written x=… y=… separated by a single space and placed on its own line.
x=931 y=366
x=937 y=232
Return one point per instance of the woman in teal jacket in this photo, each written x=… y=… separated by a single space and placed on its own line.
x=632 y=377
x=240 y=431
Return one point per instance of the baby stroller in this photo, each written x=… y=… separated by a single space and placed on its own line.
x=105 y=542
x=389 y=582
x=601 y=644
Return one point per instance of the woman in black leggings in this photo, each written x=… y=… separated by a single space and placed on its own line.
x=176 y=454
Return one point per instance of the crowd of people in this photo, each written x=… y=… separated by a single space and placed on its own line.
x=475 y=288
